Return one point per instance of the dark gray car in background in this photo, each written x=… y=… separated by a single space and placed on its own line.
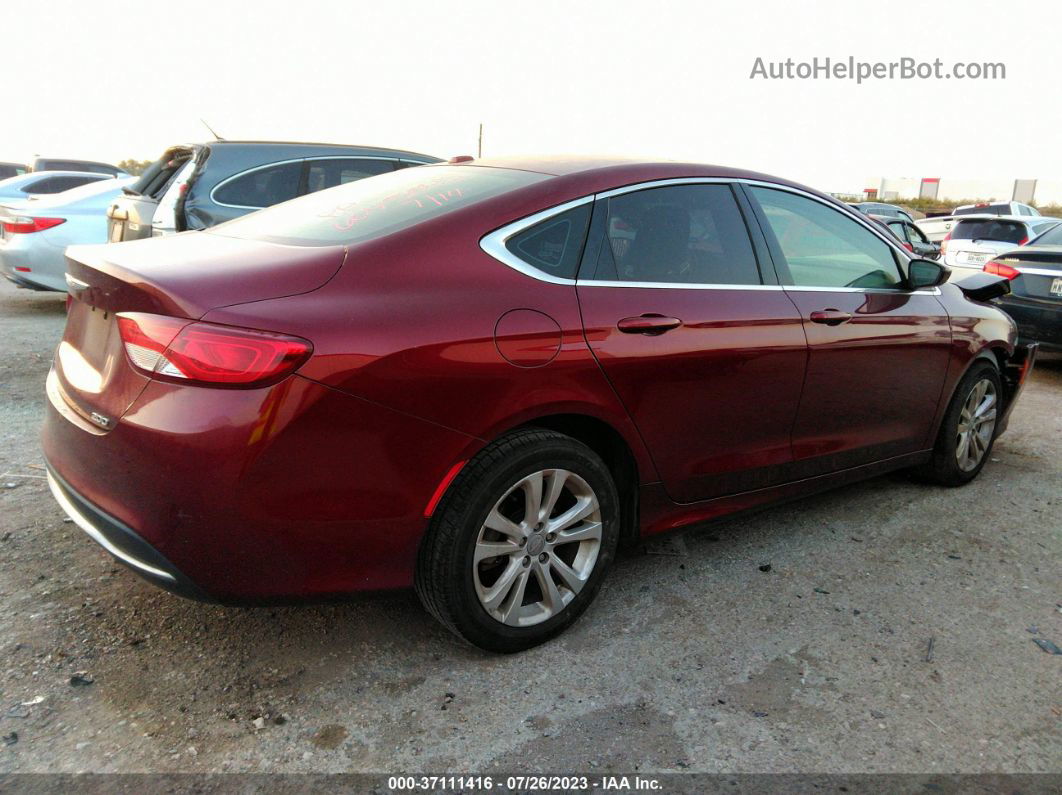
x=196 y=186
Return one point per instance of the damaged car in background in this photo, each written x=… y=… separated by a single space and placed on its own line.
x=197 y=186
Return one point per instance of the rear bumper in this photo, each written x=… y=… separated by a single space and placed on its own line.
x=18 y=281
x=280 y=494
x=122 y=542
x=1015 y=376
x=47 y=266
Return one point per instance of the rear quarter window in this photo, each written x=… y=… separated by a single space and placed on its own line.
x=372 y=208
x=554 y=246
x=323 y=174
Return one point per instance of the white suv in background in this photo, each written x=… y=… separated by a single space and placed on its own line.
x=996 y=208
x=937 y=227
x=975 y=239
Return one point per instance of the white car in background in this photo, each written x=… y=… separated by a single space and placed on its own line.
x=975 y=239
x=45 y=183
x=937 y=227
x=35 y=232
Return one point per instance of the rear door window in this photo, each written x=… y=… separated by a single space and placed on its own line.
x=686 y=234
x=262 y=187
x=899 y=229
x=59 y=184
x=321 y=174
x=915 y=235
x=990 y=229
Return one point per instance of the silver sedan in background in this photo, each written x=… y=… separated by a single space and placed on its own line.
x=34 y=233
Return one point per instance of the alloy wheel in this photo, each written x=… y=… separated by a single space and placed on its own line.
x=977 y=423
x=537 y=548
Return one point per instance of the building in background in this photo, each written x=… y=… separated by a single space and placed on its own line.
x=949 y=190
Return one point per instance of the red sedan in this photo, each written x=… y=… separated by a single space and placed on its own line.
x=482 y=378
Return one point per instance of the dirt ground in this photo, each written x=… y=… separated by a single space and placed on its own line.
x=894 y=631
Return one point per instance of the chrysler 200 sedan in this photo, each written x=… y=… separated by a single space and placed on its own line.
x=482 y=378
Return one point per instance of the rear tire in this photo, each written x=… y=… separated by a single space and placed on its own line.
x=968 y=430
x=520 y=543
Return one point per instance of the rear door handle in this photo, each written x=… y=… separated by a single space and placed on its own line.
x=649 y=323
x=830 y=317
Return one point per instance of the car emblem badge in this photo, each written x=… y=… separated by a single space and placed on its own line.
x=100 y=419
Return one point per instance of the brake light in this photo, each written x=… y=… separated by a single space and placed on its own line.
x=1001 y=269
x=191 y=352
x=1023 y=241
x=944 y=243
x=908 y=246
x=23 y=225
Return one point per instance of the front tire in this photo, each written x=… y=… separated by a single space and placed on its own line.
x=520 y=543
x=968 y=431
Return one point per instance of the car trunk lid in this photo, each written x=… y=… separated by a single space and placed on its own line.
x=130 y=216
x=1041 y=272
x=184 y=276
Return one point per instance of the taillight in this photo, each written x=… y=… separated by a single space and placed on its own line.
x=944 y=244
x=23 y=225
x=1001 y=269
x=192 y=352
x=908 y=246
x=1023 y=241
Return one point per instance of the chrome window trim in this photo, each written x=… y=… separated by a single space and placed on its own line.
x=253 y=169
x=493 y=243
x=677 y=285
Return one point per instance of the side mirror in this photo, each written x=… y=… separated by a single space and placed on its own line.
x=926 y=273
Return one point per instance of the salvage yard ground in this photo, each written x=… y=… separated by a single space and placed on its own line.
x=887 y=626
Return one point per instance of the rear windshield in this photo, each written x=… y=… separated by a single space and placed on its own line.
x=1052 y=237
x=998 y=209
x=377 y=206
x=1003 y=231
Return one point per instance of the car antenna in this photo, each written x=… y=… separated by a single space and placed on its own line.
x=216 y=136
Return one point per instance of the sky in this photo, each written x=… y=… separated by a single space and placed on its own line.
x=114 y=80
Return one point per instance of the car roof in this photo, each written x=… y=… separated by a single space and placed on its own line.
x=994 y=217
x=228 y=143
x=31 y=176
x=75 y=160
x=619 y=171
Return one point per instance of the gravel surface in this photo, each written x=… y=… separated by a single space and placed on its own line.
x=895 y=629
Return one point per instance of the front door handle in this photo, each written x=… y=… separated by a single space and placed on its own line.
x=649 y=323
x=830 y=317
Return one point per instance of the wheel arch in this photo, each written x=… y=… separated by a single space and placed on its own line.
x=614 y=450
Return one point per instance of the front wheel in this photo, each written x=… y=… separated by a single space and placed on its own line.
x=968 y=430
x=519 y=545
